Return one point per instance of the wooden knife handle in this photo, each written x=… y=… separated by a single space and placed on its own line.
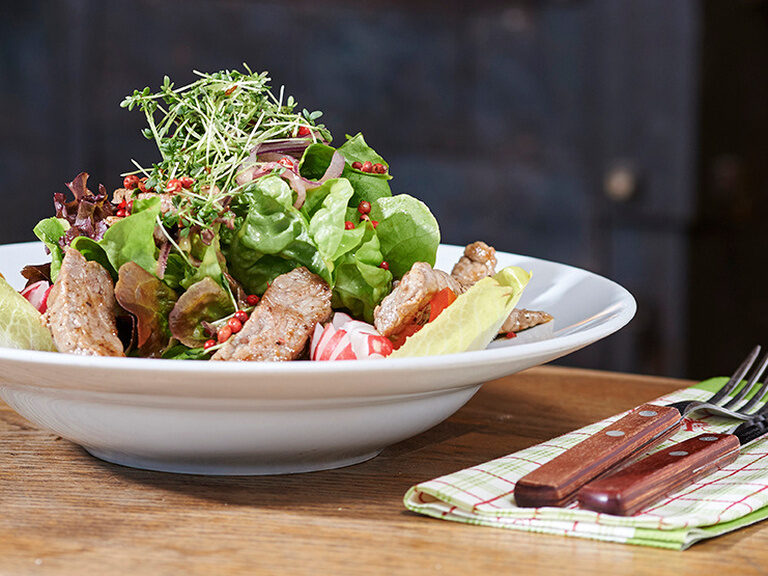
x=645 y=482
x=557 y=482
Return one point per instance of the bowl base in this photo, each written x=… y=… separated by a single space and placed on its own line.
x=228 y=468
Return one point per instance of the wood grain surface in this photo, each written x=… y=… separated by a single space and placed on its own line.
x=64 y=512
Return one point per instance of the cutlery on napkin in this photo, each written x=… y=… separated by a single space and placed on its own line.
x=730 y=498
x=557 y=482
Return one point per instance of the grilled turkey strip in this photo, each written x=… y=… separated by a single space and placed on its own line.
x=282 y=322
x=82 y=309
x=478 y=262
x=411 y=296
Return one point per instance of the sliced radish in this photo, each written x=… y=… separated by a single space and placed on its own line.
x=37 y=294
x=347 y=339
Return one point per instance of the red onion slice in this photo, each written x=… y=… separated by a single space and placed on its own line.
x=276 y=157
x=299 y=186
x=245 y=173
x=293 y=146
x=162 y=259
x=335 y=168
x=252 y=169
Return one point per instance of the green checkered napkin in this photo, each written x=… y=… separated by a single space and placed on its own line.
x=732 y=497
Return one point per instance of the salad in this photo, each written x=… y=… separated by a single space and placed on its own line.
x=254 y=237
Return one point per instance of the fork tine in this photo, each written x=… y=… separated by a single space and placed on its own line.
x=758 y=395
x=737 y=376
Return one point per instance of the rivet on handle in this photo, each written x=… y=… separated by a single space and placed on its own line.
x=647 y=413
x=679 y=453
x=614 y=433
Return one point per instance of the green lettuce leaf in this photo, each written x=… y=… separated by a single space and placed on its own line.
x=367 y=185
x=407 y=231
x=326 y=208
x=360 y=283
x=181 y=352
x=176 y=271
x=315 y=161
x=355 y=149
x=132 y=239
x=350 y=239
x=272 y=239
x=211 y=266
x=21 y=325
x=49 y=231
x=277 y=188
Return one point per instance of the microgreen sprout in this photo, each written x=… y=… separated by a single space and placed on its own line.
x=206 y=130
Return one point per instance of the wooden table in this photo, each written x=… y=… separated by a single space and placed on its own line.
x=64 y=512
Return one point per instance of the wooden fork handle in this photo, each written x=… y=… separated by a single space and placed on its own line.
x=643 y=483
x=557 y=482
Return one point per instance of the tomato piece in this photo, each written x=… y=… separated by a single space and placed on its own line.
x=409 y=330
x=440 y=302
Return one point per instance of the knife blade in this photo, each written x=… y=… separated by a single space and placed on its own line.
x=645 y=482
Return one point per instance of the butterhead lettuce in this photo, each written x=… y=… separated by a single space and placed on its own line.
x=407 y=231
x=361 y=282
x=271 y=238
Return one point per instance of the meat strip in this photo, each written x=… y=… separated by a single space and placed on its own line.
x=82 y=309
x=409 y=300
x=281 y=324
x=411 y=296
x=522 y=319
x=478 y=262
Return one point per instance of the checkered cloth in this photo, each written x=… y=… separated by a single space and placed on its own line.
x=730 y=498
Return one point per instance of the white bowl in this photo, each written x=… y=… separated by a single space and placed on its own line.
x=274 y=418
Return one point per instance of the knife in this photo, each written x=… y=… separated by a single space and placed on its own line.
x=558 y=481
x=645 y=482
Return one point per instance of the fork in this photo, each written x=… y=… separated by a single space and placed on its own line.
x=557 y=482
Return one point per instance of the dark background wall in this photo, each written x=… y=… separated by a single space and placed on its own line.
x=626 y=137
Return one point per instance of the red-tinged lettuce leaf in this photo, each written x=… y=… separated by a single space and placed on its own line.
x=150 y=301
x=37 y=272
x=204 y=301
x=86 y=214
